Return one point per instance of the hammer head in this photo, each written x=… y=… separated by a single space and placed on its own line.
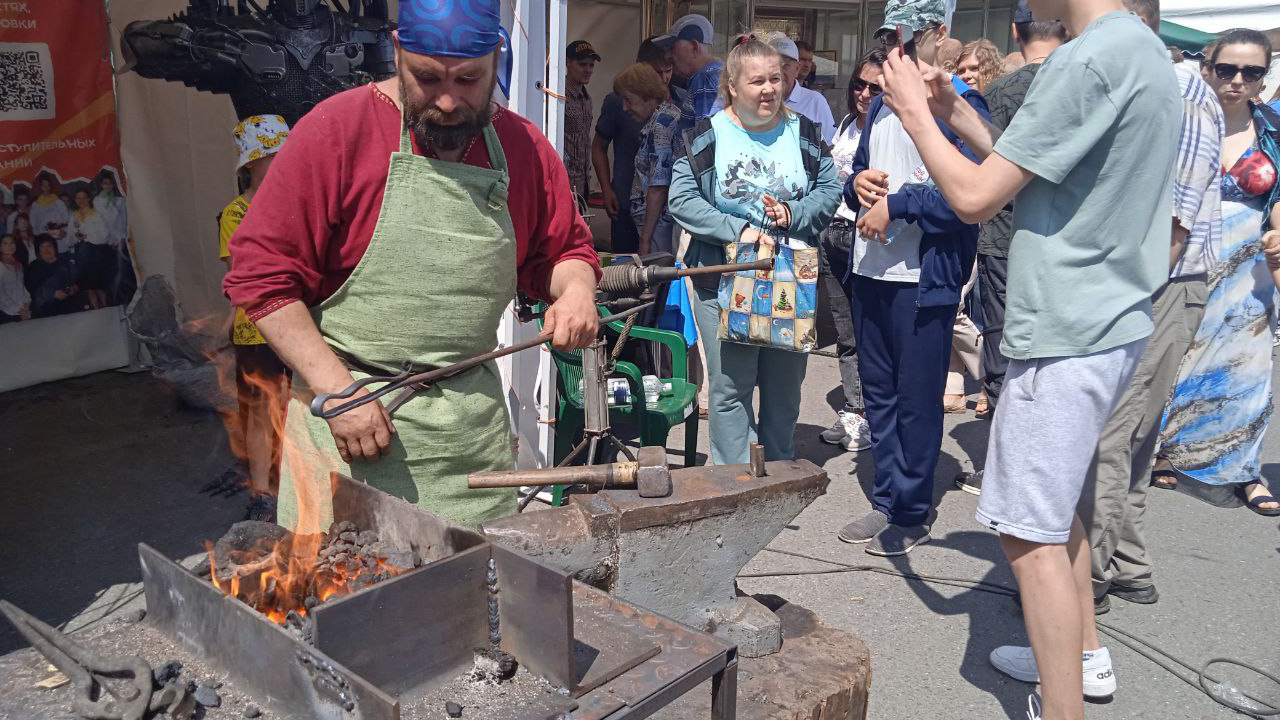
x=653 y=476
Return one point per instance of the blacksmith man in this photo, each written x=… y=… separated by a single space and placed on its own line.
x=395 y=226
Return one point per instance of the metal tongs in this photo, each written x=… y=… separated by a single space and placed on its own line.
x=89 y=670
x=409 y=382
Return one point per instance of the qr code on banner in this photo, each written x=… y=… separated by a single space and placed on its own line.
x=26 y=82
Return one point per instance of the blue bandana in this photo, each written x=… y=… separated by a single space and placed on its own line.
x=455 y=28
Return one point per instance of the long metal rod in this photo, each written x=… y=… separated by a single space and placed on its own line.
x=408 y=381
x=765 y=264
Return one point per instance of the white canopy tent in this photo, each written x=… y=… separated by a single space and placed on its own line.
x=1214 y=16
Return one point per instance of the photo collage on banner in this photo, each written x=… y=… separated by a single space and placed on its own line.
x=64 y=230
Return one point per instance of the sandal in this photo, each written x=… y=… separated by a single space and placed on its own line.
x=1164 y=479
x=954 y=404
x=1256 y=503
x=983 y=408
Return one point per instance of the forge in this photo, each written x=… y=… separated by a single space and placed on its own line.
x=375 y=652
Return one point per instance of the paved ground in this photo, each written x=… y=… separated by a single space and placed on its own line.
x=1218 y=573
x=90 y=467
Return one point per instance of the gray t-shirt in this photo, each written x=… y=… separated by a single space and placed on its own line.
x=1099 y=129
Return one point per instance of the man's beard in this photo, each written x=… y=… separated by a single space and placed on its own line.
x=447 y=132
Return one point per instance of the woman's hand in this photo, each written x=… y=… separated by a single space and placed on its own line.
x=871 y=185
x=1271 y=248
x=755 y=235
x=872 y=225
x=778 y=212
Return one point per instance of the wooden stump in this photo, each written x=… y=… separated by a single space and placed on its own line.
x=821 y=673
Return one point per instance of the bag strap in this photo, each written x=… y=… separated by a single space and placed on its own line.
x=704 y=159
x=812 y=137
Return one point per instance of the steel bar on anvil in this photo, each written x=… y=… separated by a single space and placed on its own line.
x=294 y=680
x=412 y=630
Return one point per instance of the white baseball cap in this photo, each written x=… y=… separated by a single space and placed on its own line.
x=784 y=45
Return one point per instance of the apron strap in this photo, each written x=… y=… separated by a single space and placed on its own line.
x=406 y=146
x=499 y=191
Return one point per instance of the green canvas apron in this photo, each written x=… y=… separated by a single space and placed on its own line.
x=438 y=274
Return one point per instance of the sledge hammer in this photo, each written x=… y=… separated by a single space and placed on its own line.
x=649 y=475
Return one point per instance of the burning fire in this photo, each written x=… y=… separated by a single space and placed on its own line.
x=290 y=575
x=279 y=580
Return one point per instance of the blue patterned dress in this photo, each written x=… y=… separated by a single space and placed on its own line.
x=1221 y=404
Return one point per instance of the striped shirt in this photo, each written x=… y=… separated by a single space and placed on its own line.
x=1197 y=186
x=701 y=100
x=577 y=139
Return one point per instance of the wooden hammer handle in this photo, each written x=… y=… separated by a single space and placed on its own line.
x=621 y=474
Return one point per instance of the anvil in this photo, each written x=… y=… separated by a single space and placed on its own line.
x=679 y=555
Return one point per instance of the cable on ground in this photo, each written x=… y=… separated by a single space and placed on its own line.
x=1228 y=696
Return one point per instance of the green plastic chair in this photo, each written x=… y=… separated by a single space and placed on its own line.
x=679 y=405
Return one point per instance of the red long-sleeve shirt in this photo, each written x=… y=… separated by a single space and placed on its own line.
x=312 y=219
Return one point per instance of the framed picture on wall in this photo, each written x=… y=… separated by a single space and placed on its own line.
x=826 y=65
x=788 y=21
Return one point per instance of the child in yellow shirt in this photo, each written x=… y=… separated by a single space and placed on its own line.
x=262 y=380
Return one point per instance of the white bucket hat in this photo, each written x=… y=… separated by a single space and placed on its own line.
x=259 y=136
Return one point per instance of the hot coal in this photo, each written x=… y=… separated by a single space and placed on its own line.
x=285 y=576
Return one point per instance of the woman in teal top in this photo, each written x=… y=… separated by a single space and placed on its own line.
x=754 y=172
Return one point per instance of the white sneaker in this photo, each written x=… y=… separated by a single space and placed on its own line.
x=857 y=432
x=1020 y=664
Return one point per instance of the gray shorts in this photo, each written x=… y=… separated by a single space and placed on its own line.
x=1044 y=436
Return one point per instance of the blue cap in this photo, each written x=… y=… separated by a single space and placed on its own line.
x=1022 y=13
x=452 y=28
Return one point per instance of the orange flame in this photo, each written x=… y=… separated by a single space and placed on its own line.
x=290 y=575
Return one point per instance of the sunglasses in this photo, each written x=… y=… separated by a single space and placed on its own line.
x=860 y=85
x=1227 y=71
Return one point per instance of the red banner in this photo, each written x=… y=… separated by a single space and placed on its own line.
x=61 y=188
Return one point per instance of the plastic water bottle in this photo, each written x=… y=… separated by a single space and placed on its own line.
x=652 y=388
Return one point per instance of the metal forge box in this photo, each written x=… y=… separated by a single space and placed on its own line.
x=375 y=650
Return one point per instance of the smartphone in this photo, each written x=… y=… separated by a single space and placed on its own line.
x=906 y=42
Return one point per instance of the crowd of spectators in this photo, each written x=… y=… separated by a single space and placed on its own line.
x=945 y=255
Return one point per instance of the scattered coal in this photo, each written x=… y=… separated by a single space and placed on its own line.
x=493 y=665
x=169 y=671
x=207 y=696
x=453 y=709
x=252 y=711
